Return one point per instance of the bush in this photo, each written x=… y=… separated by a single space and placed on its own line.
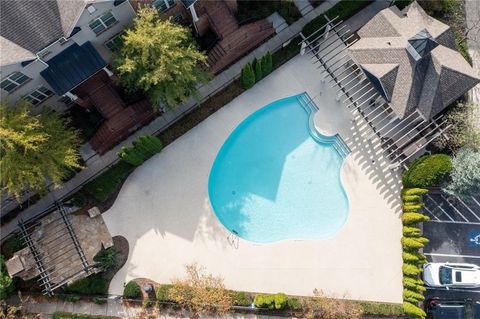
x=241 y=298
x=132 y=290
x=12 y=245
x=286 y=53
x=248 y=76
x=410 y=258
x=6 y=283
x=411 y=208
x=411 y=199
x=69 y=298
x=264 y=301
x=410 y=231
x=411 y=270
x=413 y=310
x=102 y=187
x=381 y=309
x=294 y=304
x=91 y=285
x=414 y=191
x=412 y=296
x=99 y=301
x=412 y=283
x=427 y=171
x=466 y=174
x=131 y=156
x=106 y=258
x=67 y=315
x=267 y=65
x=413 y=218
x=162 y=293
x=143 y=148
x=412 y=243
x=280 y=300
x=258 y=71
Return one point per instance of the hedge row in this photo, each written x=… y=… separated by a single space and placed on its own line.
x=143 y=148
x=257 y=70
x=412 y=241
x=427 y=171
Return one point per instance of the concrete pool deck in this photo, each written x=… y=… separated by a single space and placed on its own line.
x=164 y=212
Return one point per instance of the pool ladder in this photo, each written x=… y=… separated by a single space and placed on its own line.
x=336 y=140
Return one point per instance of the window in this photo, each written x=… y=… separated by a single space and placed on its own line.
x=13 y=81
x=163 y=5
x=445 y=275
x=65 y=100
x=115 y=42
x=39 y=95
x=102 y=23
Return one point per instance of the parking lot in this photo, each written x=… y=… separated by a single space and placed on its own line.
x=454 y=233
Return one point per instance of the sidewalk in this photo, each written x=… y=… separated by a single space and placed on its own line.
x=472 y=9
x=97 y=163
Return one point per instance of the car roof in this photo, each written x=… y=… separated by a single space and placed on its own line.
x=449 y=312
x=477 y=311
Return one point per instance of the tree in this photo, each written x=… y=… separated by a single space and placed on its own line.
x=160 y=58
x=35 y=149
x=6 y=283
x=258 y=71
x=248 y=76
x=465 y=176
x=200 y=292
x=464 y=130
x=267 y=64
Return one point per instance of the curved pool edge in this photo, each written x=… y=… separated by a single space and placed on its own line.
x=324 y=139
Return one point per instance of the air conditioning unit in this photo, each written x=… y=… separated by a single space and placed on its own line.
x=91 y=9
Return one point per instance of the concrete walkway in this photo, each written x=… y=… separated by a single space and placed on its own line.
x=472 y=8
x=97 y=164
x=304 y=6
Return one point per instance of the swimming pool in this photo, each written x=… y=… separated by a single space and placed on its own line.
x=276 y=178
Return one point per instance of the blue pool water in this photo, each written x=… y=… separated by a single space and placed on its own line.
x=272 y=181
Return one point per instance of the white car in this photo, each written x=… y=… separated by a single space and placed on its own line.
x=451 y=275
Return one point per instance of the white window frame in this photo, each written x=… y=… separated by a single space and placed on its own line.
x=168 y=5
x=102 y=23
x=17 y=84
x=36 y=100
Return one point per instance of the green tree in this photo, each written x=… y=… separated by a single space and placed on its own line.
x=258 y=71
x=248 y=76
x=465 y=176
x=6 y=283
x=35 y=149
x=267 y=64
x=160 y=58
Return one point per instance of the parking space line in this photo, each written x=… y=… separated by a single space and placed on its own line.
x=455 y=208
x=471 y=211
x=476 y=201
x=430 y=197
x=449 y=255
x=452 y=222
x=430 y=212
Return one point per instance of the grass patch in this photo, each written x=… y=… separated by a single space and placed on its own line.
x=102 y=187
x=68 y=315
x=250 y=10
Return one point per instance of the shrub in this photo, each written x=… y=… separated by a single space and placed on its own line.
x=143 y=148
x=264 y=301
x=412 y=208
x=241 y=298
x=258 y=71
x=411 y=199
x=294 y=304
x=381 y=309
x=147 y=303
x=67 y=315
x=91 y=285
x=414 y=191
x=411 y=270
x=410 y=258
x=106 y=258
x=410 y=231
x=248 y=76
x=69 y=298
x=412 y=295
x=412 y=218
x=280 y=300
x=162 y=293
x=466 y=174
x=412 y=243
x=99 y=301
x=131 y=156
x=412 y=283
x=132 y=290
x=413 y=310
x=6 y=283
x=427 y=171
x=267 y=64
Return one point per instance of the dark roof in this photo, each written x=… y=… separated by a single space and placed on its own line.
x=188 y=3
x=422 y=43
x=72 y=66
x=376 y=83
x=32 y=25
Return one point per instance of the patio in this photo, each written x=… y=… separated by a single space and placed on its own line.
x=164 y=211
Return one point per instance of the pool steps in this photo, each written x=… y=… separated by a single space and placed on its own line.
x=336 y=140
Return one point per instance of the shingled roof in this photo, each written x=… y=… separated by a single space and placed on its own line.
x=411 y=59
x=26 y=27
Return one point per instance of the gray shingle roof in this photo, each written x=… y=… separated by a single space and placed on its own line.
x=430 y=81
x=29 y=26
